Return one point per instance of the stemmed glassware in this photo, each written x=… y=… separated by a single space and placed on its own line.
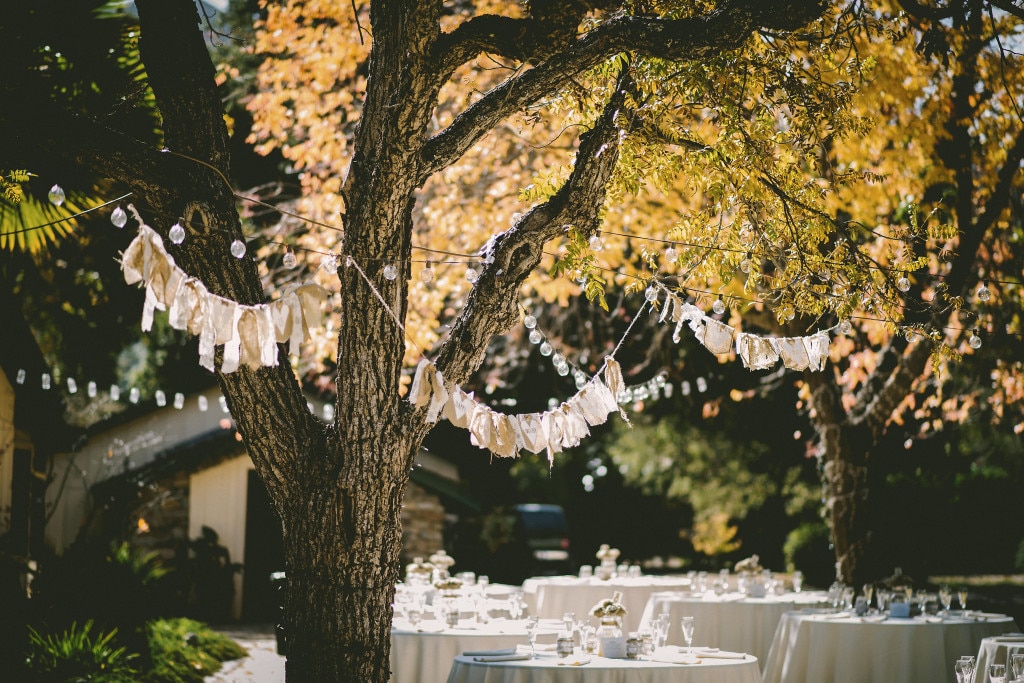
x=997 y=673
x=961 y=595
x=964 y=669
x=532 y=625
x=945 y=597
x=687 y=625
x=515 y=605
x=869 y=590
x=1017 y=665
x=662 y=625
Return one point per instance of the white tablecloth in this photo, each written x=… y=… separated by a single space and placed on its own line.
x=551 y=597
x=731 y=621
x=425 y=654
x=997 y=650
x=811 y=648
x=545 y=669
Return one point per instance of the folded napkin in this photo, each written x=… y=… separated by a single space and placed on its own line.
x=984 y=615
x=574 y=660
x=837 y=615
x=667 y=656
x=490 y=653
x=501 y=658
x=721 y=654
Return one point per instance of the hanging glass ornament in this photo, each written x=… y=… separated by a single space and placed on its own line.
x=580 y=382
x=845 y=327
x=329 y=262
x=289 y=260
x=471 y=274
x=719 y=306
x=90 y=389
x=670 y=254
x=328 y=412
x=903 y=284
x=562 y=370
x=119 y=217
x=984 y=293
x=529 y=322
x=45 y=380
x=177 y=235
x=651 y=293
x=134 y=395
x=427 y=274
x=72 y=386
x=390 y=272
x=21 y=376
x=579 y=376
x=546 y=349
x=56 y=195
x=161 y=398
x=558 y=359
x=595 y=243
x=745 y=265
x=536 y=337
x=702 y=385
x=238 y=248
x=975 y=340
x=115 y=392
x=179 y=400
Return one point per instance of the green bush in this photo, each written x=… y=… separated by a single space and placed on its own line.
x=75 y=655
x=186 y=651
x=807 y=549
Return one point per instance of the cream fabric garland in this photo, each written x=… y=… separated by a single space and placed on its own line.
x=756 y=352
x=249 y=334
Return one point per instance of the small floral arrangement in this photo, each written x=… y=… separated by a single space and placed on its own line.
x=418 y=567
x=609 y=607
x=607 y=554
x=448 y=585
x=442 y=560
x=751 y=564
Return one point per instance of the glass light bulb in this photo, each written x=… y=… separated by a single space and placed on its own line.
x=562 y=370
x=90 y=389
x=670 y=254
x=161 y=398
x=134 y=395
x=56 y=195
x=204 y=404
x=289 y=260
x=546 y=349
x=529 y=322
x=177 y=235
x=910 y=335
x=329 y=262
x=903 y=284
x=845 y=327
x=702 y=384
x=72 y=386
x=115 y=392
x=974 y=341
x=119 y=217
x=558 y=359
x=581 y=382
x=179 y=400
x=471 y=274
x=238 y=248
x=984 y=293
x=536 y=337
x=21 y=376
x=745 y=265
x=579 y=376
x=427 y=274
x=595 y=243
x=719 y=306
x=390 y=272
x=651 y=293
x=45 y=380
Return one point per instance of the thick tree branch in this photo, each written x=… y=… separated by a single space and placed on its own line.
x=726 y=28
x=492 y=306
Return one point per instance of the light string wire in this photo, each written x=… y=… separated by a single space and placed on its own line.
x=478 y=255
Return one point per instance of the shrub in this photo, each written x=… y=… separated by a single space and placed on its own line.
x=186 y=651
x=75 y=655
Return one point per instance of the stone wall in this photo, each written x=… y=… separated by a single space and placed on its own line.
x=422 y=524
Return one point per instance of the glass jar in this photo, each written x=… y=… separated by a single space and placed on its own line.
x=611 y=627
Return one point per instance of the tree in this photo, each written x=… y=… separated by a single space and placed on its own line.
x=338 y=489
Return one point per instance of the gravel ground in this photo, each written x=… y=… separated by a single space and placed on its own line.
x=263 y=665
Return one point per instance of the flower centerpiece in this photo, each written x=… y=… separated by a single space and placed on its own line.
x=610 y=612
x=447 y=603
x=418 y=572
x=608 y=556
x=441 y=561
x=751 y=579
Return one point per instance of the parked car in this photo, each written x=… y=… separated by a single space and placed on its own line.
x=543 y=535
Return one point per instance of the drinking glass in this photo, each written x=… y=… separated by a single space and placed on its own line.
x=687 y=625
x=966 y=664
x=798 y=581
x=483 y=581
x=568 y=619
x=962 y=597
x=945 y=597
x=515 y=606
x=996 y=673
x=869 y=590
x=662 y=625
x=1017 y=665
x=532 y=625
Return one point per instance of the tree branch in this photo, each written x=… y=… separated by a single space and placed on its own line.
x=701 y=37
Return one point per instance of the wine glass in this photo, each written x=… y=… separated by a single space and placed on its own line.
x=687 y=625
x=997 y=673
x=967 y=664
x=568 y=619
x=532 y=625
x=662 y=625
x=945 y=597
x=961 y=595
x=869 y=590
x=1017 y=665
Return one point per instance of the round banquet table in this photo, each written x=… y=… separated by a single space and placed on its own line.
x=551 y=597
x=810 y=648
x=424 y=653
x=731 y=621
x=997 y=650
x=546 y=669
